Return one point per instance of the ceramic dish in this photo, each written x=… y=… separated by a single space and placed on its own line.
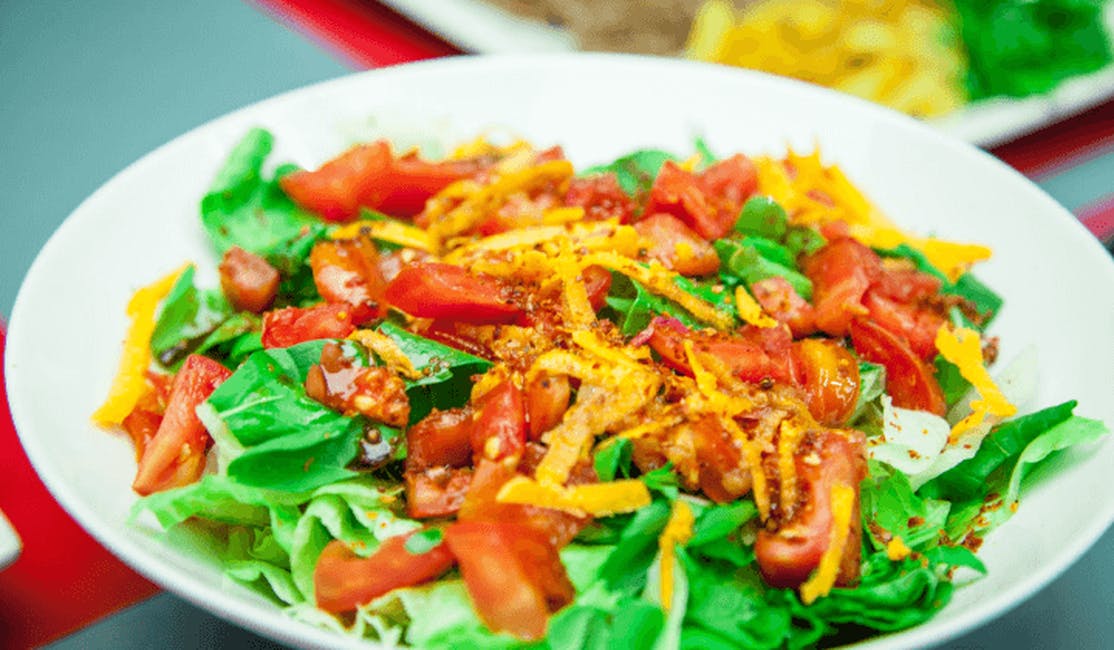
x=69 y=318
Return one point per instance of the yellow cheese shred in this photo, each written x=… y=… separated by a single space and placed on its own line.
x=896 y=550
x=130 y=382
x=677 y=531
x=595 y=499
x=963 y=348
x=389 y=231
x=824 y=578
x=387 y=350
x=789 y=436
x=750 y=311
x=661 y=281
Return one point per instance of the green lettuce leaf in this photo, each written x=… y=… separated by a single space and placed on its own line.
x=889 y=503
x=188 y=320
x=635 y=171
x=447 y=372
x=632 y=307
x=753 y=259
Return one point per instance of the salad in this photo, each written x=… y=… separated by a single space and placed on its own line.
x=495 y=401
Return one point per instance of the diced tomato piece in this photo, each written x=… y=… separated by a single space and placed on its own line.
x=347 y=271
x=916 y=326
x=708 y=202
x=513 y=575
x=436 y=492
x=724 y=476
x=547 y=399
x=292 y=325
x=368 y=176
x=345 y=386
x=909 y=381
x=412 y=181
x=601 y=197
x=830 y=379
x=338 y=188
x=597 y=282
x=905 y=285
x=342 y=580
x=442 y=438
x=676 y=245
x=249 y=282
x=144 y=420
x=499 y=427
x=841 y=273
x=789 y=553
x=436 y=290
x=779 y=299
x=746 y=359
x=480 y=504
x=175 y=455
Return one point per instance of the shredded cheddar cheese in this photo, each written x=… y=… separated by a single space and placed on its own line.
x=963 y=347
x=130 y=382
x=677 y=531
x=388 y=231
x=595 y=499
x=750 y=311
x=824 y=578
x=789 y=435
x=896 y=550
x=387 y=350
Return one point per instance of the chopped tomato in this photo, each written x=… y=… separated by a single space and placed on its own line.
x=292 y=325
x=830 y=379
x=442 y=438
x=437 y=290
x=724 y=476
x=915 y=325
x=601 y=197
x=347 y=271
x=547 y=399
x=676 y=245
x=841 y=273
x=779 y=299
x=175 y=455
x=144 y=420
x=412 y=181
x=436 y=492
x=342 y=580
x=513 y=575
x=338 y=189
x=910 y=381
x=499 y=426
x=249 y=282
x=753 y=360
x=788 y=553
x=597 y=282
x=480 y=504
x=345 y=386
x=709 y=202
x=368 y=176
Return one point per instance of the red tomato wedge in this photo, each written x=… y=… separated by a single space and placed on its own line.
x=249 y=282
x=513 y=575
x=436 y=492
x=368 y=176
x=499 y=427
x=780 y=300
x=909 y=381
x=709 y=202
x=342 y=580
x=547 y=399
x=752 y=360
x=292 y=325
x=175 y=455
x=676 y=245
x=347 y=271
x=436 y=290
x=788 y=554
x=841 y=274
x=480 y=505
x=601 y=197
x=597 y=282
x=830 y=379
x=440 y=439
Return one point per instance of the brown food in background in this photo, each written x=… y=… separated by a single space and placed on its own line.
x=641 y=26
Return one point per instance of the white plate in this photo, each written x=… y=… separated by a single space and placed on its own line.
x=481 y=27
x=68 y=321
